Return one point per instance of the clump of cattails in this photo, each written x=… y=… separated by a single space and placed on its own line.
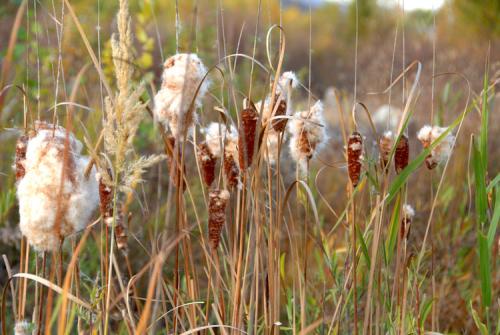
x=55 y=197
x=218 y=200
x=207 y=161
x=408 y=214
x=223 y=143
x=308 y=133
x=281 y=105
x=354 y=155
x=402 y=154
x=385 y=146
x=442 y=151
x=246 y=136
x=182 y=75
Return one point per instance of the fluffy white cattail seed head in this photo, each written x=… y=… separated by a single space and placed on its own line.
x=272 y=143
x=182 y=75
x=55 y=198
x=286 y=83
x=308 y=133
x=217 y=134
x=427 y=135
x=408 y=211
x=22 y=328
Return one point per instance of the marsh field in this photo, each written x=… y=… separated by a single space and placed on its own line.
x=249 y=167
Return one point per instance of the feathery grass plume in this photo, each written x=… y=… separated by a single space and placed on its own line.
x=308 y=134
x=21 y=145
x=385 y=146
x=354 y=152
x=218 y=200
x=442 y=151
x=124 y=114
x=55 y=198
x=207 y=161
x=182 y=75
x=402 y=154
x=408 y=214
x=281 y=105
x=246 y=136
x=22 y=328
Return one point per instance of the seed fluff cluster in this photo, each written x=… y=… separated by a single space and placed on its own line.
x=55 y=198
x=308 y=134
x=427 y=135
x=182 y=75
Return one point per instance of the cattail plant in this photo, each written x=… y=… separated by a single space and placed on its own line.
x=408 y=214
x=354 y=155
x=182 y=76
x=174 y=163
x=402 y=154
x=308 y=134
x=22 y=328
x=442 y=151
x=21 y=147
x=55 y=198
x=246 y=136
x=281 y=105
x=385 y=145
x=218 y=200
x=207 y=161
x=272 y=143
x=223 y=143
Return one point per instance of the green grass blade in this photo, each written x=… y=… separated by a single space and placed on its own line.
x=484 y=269
x=494 y=220
x=393 y=230
x=479 y=178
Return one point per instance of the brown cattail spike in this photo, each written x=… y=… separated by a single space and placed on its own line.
x=385 y=146
x=402 y=154
x=207 y=162
x=21 y=147
x=218 y=200
x=246 y=136
x=354 y=151
x=105 y=198
x=231 y=170
x=279 y=124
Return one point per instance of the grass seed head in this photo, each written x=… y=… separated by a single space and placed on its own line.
x=182 y=75
x=402 y=154
x=354 y=152
x=218 y=200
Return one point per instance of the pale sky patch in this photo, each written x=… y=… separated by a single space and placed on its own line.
x=408 y=4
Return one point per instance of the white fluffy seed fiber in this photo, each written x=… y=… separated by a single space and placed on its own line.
x=217 y=134
x=308 y=133
x=286 y=83
x=428 y=134
x=181 y=77
x=55 y=198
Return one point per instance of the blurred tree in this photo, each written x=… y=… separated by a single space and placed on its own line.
x=481 y=17
x=367 y=10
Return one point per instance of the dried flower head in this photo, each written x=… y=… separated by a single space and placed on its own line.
x=385 y=146
x=21 y=146
x=281 y=105
x=354 y=152
x=427 y=135
x=308 y=133
x=246 y=136
x=216 y=136
x=218 y=200
x=55 y=198
x=182 y=75
x=231 y=168
x=207 y=161
x=402 y=154
x=408 y=214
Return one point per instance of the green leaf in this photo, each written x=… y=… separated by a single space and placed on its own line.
x=424 y=313
x=364 y=249
x=393 y=230
x=479 y=178
x=484 y=269
x=484 y=123
x=494 y=220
